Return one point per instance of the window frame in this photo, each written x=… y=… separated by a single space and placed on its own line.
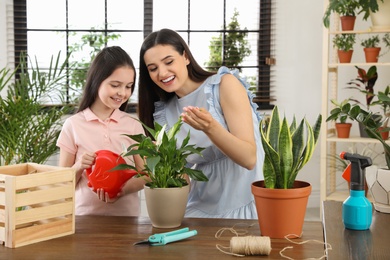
x=263 y=95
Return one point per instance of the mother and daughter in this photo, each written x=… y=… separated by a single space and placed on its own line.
x=215 y=106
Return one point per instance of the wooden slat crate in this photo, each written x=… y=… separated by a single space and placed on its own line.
x=36 y=203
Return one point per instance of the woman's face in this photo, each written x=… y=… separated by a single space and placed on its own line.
x=116 y=89
x=167 y=68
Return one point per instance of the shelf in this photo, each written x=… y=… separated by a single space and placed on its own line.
x=354 y=139
x=367 y=31
x=361 y=64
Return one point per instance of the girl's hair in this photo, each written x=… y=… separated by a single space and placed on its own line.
x=148 y=91
x=103 y=65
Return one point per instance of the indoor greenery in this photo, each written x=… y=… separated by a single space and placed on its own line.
x=372 y=124
x=287 y=148
x=233 y=51
x=371 y=42
x=92 y=42
x=365 y=83
x=164 y=161
x=344 y=41
x=340 y=112
x=367 y=6
x=342 y=7
x=29 y=129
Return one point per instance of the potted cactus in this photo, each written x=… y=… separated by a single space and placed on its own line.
x=287 y=149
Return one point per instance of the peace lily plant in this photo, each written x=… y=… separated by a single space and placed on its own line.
x=164 y=161
x=287 y=148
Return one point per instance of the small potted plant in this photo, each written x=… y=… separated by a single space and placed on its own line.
x=165 y=164
x=344 y=44
x=339 y=114
x=287 y=148
x=371 y=48
x=347 y=9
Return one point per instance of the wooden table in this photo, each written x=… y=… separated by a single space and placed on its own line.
x=353 y=244
x=113 y=237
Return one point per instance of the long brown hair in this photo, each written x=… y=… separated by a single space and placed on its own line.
x=103 y=65
x=148 y=91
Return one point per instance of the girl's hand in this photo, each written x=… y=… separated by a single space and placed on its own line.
x=103 y=196
x=86 y=161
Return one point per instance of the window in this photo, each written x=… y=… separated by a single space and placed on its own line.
x=65 y=22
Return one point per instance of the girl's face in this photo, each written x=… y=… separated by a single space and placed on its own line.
x=116 y=89
x=167 y=68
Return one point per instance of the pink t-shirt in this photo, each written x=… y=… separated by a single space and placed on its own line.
x=85 y=132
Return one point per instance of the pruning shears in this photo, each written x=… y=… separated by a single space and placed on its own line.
x=168 y=237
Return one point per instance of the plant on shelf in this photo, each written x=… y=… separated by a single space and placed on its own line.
x=368 y=6
x=164 y=161
x=339 y=114
x=365 y=83
x=286 y=148
x=345 y=8
x=344 y=44
x=371 y=42
x=371 y=48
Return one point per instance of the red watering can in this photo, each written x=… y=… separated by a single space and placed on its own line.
x=101 y=176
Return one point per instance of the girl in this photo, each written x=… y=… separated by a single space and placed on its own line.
x=100 y=123
x=220 y=116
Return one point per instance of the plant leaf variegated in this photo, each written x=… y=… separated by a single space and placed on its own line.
x=164 y=161
x=287 y=148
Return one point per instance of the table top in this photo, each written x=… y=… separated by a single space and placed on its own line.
x=355 y=244
x=103 y=237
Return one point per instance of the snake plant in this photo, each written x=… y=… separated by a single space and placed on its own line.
x=287 y=148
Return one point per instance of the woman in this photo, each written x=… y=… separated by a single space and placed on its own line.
x=220 y=116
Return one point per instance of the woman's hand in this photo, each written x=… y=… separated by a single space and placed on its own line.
x=198 y=118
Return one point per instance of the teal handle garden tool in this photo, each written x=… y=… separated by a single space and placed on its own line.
x=168 y=237
x=357 y=209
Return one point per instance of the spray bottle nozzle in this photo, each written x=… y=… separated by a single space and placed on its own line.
x=358 y=163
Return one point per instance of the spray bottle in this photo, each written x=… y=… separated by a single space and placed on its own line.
x=357 y=209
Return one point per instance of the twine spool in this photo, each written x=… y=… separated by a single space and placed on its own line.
x=250 y=245
x=244 y=245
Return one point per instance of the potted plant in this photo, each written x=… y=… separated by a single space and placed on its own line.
x=347 y=9
x=378 y=178
x=281 y=200
x=28 y=128
x=339 y=114
x=165 y=164
x=371 y=48
x=344 y=44
x=364 y=83
x=384 y=129
x=378 y=11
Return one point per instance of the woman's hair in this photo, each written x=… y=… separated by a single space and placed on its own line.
x=103 y=65
x=148 y=91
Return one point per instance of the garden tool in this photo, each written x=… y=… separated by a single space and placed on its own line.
x=168 y=237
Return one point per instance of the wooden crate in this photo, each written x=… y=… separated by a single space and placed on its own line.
x=36 y=203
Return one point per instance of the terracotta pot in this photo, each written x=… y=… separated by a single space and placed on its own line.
x=372 y=54
x=385 y=135
x=347 y=23
x=281 y=212
x=345 y=56
x=378 y=181
x=343 y=129
x=166 y=206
